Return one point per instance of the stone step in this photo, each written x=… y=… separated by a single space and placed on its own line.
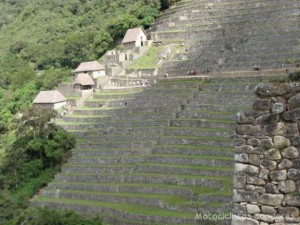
x=224 y=94
x=217 y=107
x=115 y=210
x=183 y=191
x=126 y=198
x=85 y=119
x=119 y=138
x=95 y=103
x=107 y=160
x=125 y=110
x=122 y=90
x=237 y=101
x=110 y=152
x=192 y=160
x=251 y=78
x=202 y=123
x=193 y=150
x=150 y=168
x=206 y=115
x=111 y=96
x=195 y=132
x=159 y=178
x=118 y=144
x=202 y=141
x=146 y=116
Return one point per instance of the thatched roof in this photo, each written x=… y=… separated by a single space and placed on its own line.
x=132 y=35
x=89 y=66
x=49 y=97
x=84 y=79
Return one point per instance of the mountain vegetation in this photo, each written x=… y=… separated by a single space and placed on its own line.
x=41 y=42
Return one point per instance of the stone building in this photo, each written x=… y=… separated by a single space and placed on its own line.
x=135 y=38
x=50 y=99
x=93 y=68
x=83 y=81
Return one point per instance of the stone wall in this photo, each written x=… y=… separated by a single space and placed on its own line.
x=267 y=162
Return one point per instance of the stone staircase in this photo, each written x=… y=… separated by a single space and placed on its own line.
x=230 y=35
x=154 y=155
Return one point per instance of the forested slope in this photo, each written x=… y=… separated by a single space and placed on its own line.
x=41 y=42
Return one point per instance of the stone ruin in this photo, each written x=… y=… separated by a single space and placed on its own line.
x=267 y=162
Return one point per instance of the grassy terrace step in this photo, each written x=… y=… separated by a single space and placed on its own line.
x=122 y=90
x=156 y=200
x=250 y=78
x=206 y=115
x=202 y=123
x=246 y=101
x=191 y=150
x=85 y=118
x=132 y=109
x=110 y=152
x=202 y=141
x=113 y=124
x=151 y=178
x=203 y=160
x=217 y=107
x=118 y=144
x=112 y=138
x=179 y=131
x=166 y=189
x=145 y=213
x=175 y=169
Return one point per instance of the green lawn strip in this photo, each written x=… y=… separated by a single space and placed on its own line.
x=201 y=168
x=107 y=149
x=216 y=112
x=231 y=83
x=116 y=93
x=198 y=147
x=130 y=208
x=131 y=135
x=87 y=116
x=226 y=106
x=109 y=157
x=195 y=189
x=216 y=204
x=85 y=108
x=86 y=131
x=77 y=123
x=225 y=130
x=208 y=120
x=206 y=168
x=215 y=178
x=113 y=142
x=210 y=157
x=205 y=138
x=169 y=199
x=108 y=100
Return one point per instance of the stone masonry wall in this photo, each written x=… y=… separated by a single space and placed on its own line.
x=267 y=162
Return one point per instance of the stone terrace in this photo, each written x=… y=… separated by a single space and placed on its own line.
x=231 y=34
x=155 y=155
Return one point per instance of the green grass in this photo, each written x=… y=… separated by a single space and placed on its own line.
x=149 y=59
x=130 y=208
x=198 y=147
x=193 y=156
x=195 y=189
x=87 y=116
x=203 y=138
x=169 y=199
x=201 y=129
